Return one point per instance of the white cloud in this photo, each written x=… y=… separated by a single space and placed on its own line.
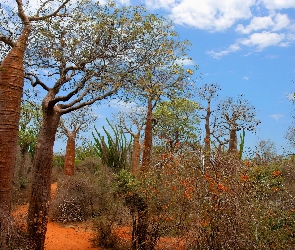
x=186 y=61
x=157 y=4
x=273 y=22
x=122 y=2
x=279 y=4
x=257 y=40
x=210 y=15
x=121 y=105
x=246 y=78
x=277 y=116
x=257 y=23
x=271 y=56
x=264 y=39
x=281 y=21
x=232 y=48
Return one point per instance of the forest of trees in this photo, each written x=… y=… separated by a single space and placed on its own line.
x=155 y=168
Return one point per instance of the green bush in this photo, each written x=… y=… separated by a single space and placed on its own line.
x=111 y=213
x=114 y=152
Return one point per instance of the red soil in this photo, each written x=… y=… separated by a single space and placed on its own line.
x=77 y=236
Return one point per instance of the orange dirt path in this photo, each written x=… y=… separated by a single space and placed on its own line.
x=70 y=237
x=77 y=236
x=74 y=236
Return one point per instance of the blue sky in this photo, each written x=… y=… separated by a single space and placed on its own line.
x=247 y=47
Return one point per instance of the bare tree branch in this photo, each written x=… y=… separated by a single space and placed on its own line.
x=55 y=13
x=72 y=93
x=21 y=13
x=8 y=41
x=33 y=78
x=70 y=107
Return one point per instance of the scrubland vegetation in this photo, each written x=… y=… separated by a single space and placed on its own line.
x=229 y=204
x=154 y=172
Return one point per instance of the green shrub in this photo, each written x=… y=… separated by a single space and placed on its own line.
x=111 y=212
x=114 y=151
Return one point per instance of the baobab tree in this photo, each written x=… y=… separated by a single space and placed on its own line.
x=160 y=83
x=235 y=115
x=166 y=79
x=15 y=28
x=132 y=122
x=85 y=58
x=74 y=123
x=207 y=93
x=163 y=77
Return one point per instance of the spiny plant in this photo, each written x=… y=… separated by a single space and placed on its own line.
x=242 y=137
x=114 y=150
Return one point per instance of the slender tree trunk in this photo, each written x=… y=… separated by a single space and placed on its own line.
x=22 y=167
x=69 y=166
x=148 y=138
x=39 y=200
x=135 y=155
x=208 y=135
x=11 y=90
x=233 y=144
x=142 y=227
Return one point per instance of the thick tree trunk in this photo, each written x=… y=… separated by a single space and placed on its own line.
x=135 y=155
x=69 y=166
x=148 y=138
x=39 y=200
x=11 y=90
x=233 y=144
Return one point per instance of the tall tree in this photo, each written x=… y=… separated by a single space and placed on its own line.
x=15 y=29
x=207 y=93
x=166 y=79
x=85 y=58
x=235 y=115
x=128 y=120
x=74 y=123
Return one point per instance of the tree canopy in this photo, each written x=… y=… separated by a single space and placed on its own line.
x=177 y=121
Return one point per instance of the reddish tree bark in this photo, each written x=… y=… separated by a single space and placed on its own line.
x=135 y=154
x=136 y=150
x=39 y=200
x=208 y=134
x=11 y=89
x=148 y=138
x=233 y=143
x=69 y=166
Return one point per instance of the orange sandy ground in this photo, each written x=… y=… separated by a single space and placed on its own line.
x=77 y=236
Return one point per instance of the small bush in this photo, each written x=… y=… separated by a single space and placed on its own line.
x=105 y=235
x=89 y=165
x=111 y=212
x=73 y=200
